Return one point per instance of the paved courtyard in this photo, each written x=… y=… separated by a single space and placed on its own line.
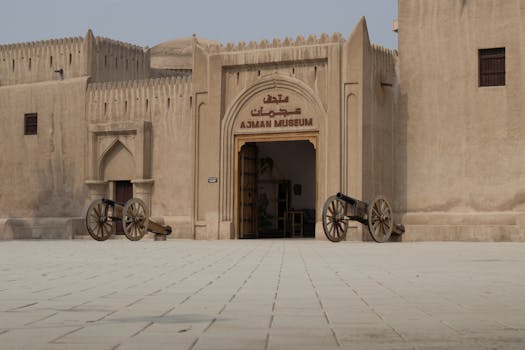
x=261 y=294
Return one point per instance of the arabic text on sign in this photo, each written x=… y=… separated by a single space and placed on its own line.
x=271 y=113
x=272 y=99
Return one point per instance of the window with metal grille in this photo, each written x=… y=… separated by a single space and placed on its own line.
x=492 y=67
x=30 y=124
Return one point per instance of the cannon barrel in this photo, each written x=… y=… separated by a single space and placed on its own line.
x=345 y=198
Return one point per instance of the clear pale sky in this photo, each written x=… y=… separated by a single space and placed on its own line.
x=149 y=22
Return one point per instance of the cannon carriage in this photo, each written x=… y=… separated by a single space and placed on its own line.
x=339 y=209
x=103 y=214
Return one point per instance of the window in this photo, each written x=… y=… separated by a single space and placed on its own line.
x=30 y=124
x=492 y=67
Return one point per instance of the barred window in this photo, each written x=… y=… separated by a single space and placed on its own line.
x=30 y=124
x=492 y=67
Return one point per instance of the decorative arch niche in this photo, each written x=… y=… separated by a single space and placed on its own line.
x=120 y=151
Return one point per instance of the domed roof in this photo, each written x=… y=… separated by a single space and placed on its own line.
x=176 y=54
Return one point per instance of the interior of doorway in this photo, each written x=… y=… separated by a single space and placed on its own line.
x=123 y=193
x=277 y=189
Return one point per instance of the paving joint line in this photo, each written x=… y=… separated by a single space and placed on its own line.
x=414 y=305
x=60 y=296
x=235 y=293
x=41 y=319
x=319 y=299
x=267 y=343
x=208 y=284
x=21 y=307
x=55 y=340
x=400 y=335
x=151 y=323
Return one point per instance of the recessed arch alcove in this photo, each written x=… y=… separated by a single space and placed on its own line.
x=120 y=152
x=117 y=163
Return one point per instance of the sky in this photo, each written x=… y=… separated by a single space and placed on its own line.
x=150 y=22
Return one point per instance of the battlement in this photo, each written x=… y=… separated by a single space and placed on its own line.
x=138 y=84
x=42 y=60
x=137 y=99
x=114 y=60
x=277 y=43
x=383 y=59
x=383 y=50
x=100 y=58
x=106 y=42
x=65 y=42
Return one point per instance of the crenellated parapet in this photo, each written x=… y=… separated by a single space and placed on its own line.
x=278 y=43
x=383 y=59
x=137 y=99
x=42 y=60
x=100 y=58
x=116 y=60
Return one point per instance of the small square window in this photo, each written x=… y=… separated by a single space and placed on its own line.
x=30 y=124
x=492 y=67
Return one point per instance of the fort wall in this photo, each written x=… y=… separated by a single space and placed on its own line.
x=51 y=60
x=115 y=60
x=42 y=176
x=380 y=107
x=460 y=167
x=166 y=103
x=42 y=61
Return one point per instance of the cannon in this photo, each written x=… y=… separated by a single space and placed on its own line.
x=102 y=215
x=339 y=209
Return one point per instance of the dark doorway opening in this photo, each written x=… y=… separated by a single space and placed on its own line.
x=123 y=193
x=277 y=190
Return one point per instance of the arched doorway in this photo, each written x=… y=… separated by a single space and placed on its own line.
x=276 y=109
x=276 y=187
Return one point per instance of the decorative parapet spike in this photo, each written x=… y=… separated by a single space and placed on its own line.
x=383 y=58
x=132 y=84
x=278 y=43
x=110 y=42
x=384 y=50
x=264 y=44
x=42 y=43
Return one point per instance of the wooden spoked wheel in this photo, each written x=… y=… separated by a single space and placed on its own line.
x=334 y=222
x=380 y=219
x=135 y=218
x=98 y=220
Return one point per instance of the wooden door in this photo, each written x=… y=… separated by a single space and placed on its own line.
x=123 y=193
x=248 y=191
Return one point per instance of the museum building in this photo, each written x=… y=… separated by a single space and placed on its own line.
x=248 y=140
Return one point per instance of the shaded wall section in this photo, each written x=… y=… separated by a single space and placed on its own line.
x=42 y=175
x=462 y=172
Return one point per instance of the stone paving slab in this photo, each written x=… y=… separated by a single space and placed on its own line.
x=261 y=294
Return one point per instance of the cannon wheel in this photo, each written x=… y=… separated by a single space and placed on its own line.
x=380 y=219
x=334 y=223
x=98 y=222
x=135 y=218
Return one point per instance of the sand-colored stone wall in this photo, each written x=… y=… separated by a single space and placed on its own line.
x=39 y=61
x=42 y=176
x=113 y=60
x=459 y=155
x=168 y=157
